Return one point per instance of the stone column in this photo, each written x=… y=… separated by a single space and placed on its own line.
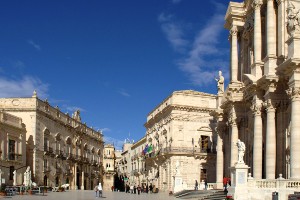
x=270 y=141
x=271 y=28
x=234 y=138
x=234 y=54
x=82 y=180
x=75 y=177
x=220 y=161
x=295 y=134
x=257 y=30
x=257 y=141
x=270 y=62
x=281 y=30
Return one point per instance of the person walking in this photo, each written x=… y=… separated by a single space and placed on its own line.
x=205 y=184
x=96 y=189
x=100 y=189
x=196 y=185
x=139 y=189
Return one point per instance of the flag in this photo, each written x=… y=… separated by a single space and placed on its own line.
x=146 y=149
x=149 y=150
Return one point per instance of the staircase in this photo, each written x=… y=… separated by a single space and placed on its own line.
x=201 y=194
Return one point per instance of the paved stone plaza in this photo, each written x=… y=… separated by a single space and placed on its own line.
x=90 y=195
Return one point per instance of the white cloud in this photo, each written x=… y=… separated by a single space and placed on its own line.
x=124 y=93
x=23 y=87
x=36 y=46
x=105 y=130
x=173 y=31
x=73 y=108
x=116 y=142
x=204 y=57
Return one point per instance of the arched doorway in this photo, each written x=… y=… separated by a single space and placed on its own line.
x=45 y=180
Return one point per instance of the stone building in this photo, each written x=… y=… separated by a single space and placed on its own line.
x=12 y=149
x=124 y=165
x=60 y=148
x=181 y=130
x=109 y=159
x=261 y=105
x=138 y=164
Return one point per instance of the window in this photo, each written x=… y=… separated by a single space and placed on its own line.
x=204 y=143
x=11 y=149
x=11 y=172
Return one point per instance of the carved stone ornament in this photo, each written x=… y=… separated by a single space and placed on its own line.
x=293 y=19
x=233 y=31
x=256 y=4
x=293 y=93
x=256 y=108
x=269 y=105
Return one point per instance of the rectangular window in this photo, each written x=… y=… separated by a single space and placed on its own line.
x=204 y=143
x=11 y=172
x=11 y=149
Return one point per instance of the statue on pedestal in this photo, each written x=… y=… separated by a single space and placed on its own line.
x=27 y=177
x=15 y=178
x=220 y=82
x=241 y=151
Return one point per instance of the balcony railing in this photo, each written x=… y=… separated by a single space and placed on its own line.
x=48 y=150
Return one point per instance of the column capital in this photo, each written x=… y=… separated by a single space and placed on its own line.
x=256 y=4
x=233 y=31
x=268 y=104
x=279 y=2
x=256 y=108
x=293 y=93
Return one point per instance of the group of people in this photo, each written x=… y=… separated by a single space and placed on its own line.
x=133 y=189
x=197 y=184
x=98 y=190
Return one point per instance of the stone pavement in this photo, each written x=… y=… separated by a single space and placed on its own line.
x=90 y=195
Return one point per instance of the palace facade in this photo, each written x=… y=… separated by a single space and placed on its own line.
x=60 y=148
x=12 y=149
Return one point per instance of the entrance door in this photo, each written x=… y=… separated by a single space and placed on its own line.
x=203 y=175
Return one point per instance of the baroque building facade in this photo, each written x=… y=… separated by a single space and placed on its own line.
x=60 y=148
x=262 y=101
x=109 y=160
x=12 y=149
x=181 y=130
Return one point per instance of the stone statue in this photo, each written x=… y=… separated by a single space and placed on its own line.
x=293 y=19
x=177 y=170
x=76 y=115
x=15 y=178
x=27 y=177
x=220 y=82
x=241 y=151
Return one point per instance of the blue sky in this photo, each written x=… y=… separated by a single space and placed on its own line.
x=114 y=60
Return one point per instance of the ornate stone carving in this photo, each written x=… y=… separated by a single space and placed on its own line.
x=293 y=93
x=293 y=19
x=268 y=104
x=256 y=108
x=233 y=31
x=256 y=4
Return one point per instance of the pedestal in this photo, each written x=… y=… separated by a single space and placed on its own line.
x=178 y=183
x=293 y=46
x=238 y=189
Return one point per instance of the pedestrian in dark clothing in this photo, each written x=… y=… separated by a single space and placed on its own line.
x=139 y=189
x=134 y=189
x=205 y=184
x=150 y=188
x=196 y=185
